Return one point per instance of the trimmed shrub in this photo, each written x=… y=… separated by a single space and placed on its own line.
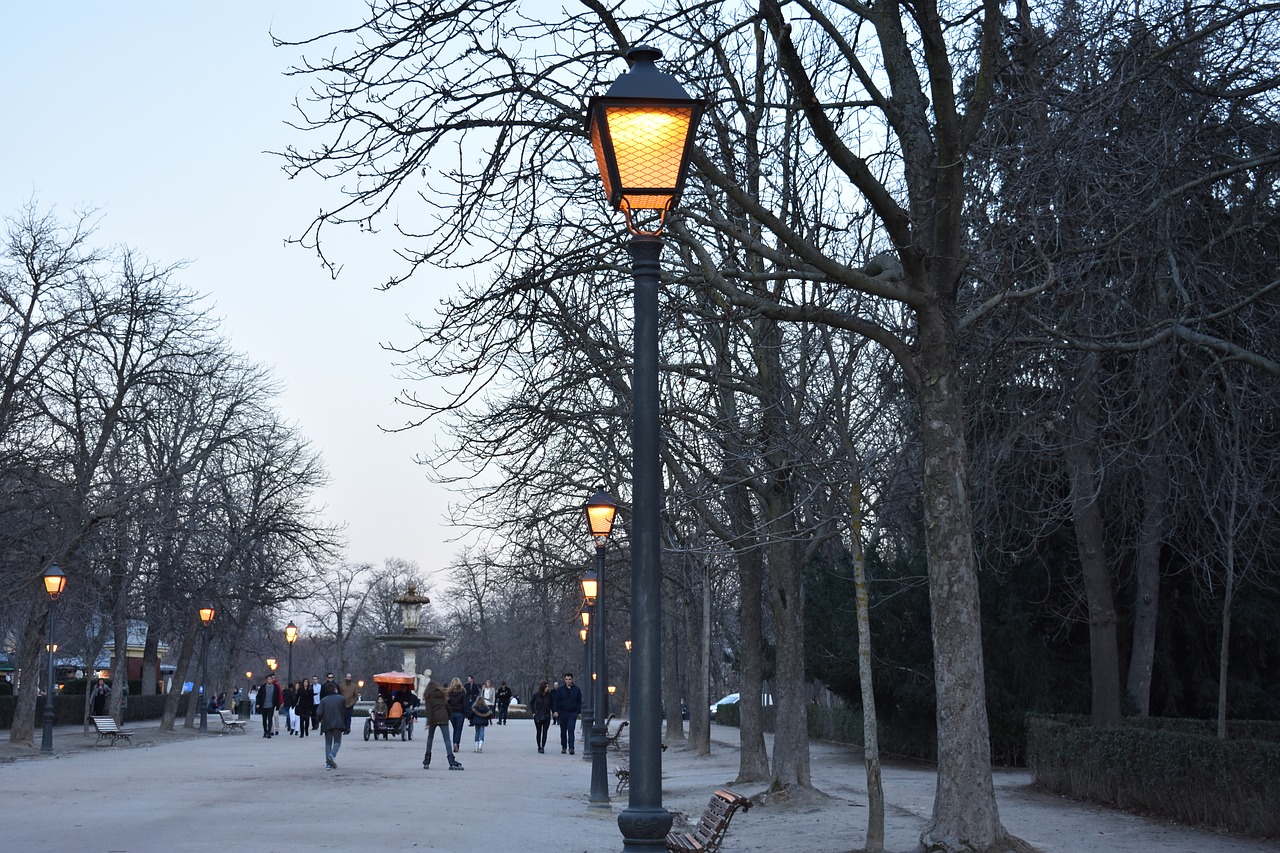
x=1167 y=768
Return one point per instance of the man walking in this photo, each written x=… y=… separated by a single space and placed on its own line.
x=267 y=702
x=473 y=693
x=566 y=703
x=333 y=717
x=504 y=702
x=350 y=695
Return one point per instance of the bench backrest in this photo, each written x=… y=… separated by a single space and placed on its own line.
x=715 y=819
x=105 y=724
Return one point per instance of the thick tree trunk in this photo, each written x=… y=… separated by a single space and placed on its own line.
x=1086 y=515
x=150 y=659
x=22 y=732
x=120 y=668
x=186 y=650
x=786 y=602
x=965 y=816
x=1146 y=597
x=753 y=756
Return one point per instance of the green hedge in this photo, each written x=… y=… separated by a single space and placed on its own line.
x=1168 y=768
x=903 y=738
x=69 y=710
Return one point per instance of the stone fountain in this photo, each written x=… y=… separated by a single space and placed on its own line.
x=410 y=639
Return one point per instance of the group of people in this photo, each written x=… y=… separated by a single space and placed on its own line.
x=327 y=706
x=560 y=704
x=302 y=706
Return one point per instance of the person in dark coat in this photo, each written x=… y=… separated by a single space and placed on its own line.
x=101 y=693
x=438 y=717
x=504 y=702
x=333 y=720
x=267 y=703
x=305 y=707
x=566 y=704
x=540 y=707
x=458 y=705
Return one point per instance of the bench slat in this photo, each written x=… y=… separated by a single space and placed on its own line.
x=708 y=834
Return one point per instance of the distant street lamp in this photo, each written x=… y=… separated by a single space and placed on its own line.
x=642 y=131
x=206 y=619
x=601 y=509
x=588 y=709
x=54 y=583
x=271 y=662
x=291 y=636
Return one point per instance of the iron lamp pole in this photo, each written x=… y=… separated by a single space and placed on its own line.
x=54 y=583
x=291 y=636
x=206 y=618
x=600 y=510
x=642 y=131
x=589 y=631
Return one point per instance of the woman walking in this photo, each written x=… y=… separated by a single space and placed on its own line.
x=290 y=697
x=304 y=706
x=438 y=717
x=540 y=706
x=457 y=702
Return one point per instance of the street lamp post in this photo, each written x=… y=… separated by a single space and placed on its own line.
x=588 y=661
x=206 y=618
x=600 y=509
x=291 y=636
x=642 y=130
x=54 y=583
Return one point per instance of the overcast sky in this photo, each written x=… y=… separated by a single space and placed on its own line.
x=159 y=114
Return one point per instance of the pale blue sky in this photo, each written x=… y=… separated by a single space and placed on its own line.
x=158 y=114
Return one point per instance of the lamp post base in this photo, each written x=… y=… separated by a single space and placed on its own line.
x=645 y=829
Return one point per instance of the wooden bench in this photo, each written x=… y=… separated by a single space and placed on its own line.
x=230 y=722
x=614 y=739
x=712 y=826
x=108 y=730
x=623 y=772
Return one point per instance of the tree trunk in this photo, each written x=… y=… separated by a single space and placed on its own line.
x=786 y=601
x=871 y=735
x=22 y=732
x=1086 y=516
x=753 y=756
x=1146 y=597
x=186 y=650
x=120 y=669
x=671 y=670
x=965 y=816
x=1224 y=652
x=150 y=660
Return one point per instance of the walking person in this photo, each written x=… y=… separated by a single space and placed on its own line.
x=481 y=713
x=540 y=706
x=267 y=703
x=438 y=718
x=457 y=700
x=504 y=702
x=333 y=717
x=101 y=693
x=305 y=707
x=351 y=695
x=566 y=703
x=290 y=698
x=489 y=693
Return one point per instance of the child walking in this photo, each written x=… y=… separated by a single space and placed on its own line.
x=481 y=713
